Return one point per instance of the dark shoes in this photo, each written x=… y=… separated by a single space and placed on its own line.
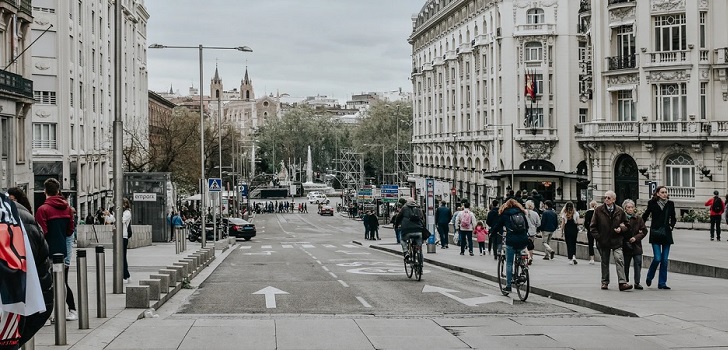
x=638 y=286
x=546 y=257
x=462 y=253
x=624 y=286
x=605 y=286
x=507 y=289
x=648 y=282
x=471 y=253
x=552 y=255
x=663 y=287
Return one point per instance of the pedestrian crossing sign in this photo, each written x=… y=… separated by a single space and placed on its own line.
x=214 y=185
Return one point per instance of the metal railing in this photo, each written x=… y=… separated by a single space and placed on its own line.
x=16 y=84
x=622 y=62
x=613 y=2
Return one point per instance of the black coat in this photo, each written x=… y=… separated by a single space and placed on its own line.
x=658 y=219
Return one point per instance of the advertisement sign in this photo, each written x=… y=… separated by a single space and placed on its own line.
x=144 y=197
x=390 y=193
x=430 y=202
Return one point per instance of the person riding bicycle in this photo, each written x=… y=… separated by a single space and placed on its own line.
x=515 y=233
x=410 y=222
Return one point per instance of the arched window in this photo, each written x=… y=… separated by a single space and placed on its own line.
x=533 y=51
x=217 y=93
x=534 y=16
x=680 y=175
x=247 y=94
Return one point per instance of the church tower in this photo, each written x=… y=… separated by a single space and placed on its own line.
x=246 y=88
x=216 y=86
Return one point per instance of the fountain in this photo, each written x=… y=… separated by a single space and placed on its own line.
x=309 y=185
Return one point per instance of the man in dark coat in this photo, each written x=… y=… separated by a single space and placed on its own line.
x=608 y=228
x=442 y=219
x=365 y=220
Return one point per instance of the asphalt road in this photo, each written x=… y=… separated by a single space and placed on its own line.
x=307 y=264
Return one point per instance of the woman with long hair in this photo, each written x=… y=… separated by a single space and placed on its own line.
x=587 y=221
x=515 y=240
x=663 y=221
x=126 y=219
x=569 y=229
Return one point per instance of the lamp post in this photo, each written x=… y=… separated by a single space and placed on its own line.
x=202 y=118
x=513 y=184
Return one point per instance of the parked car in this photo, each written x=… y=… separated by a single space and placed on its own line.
x=318 y=198
x=239 y=228
x=326 y=210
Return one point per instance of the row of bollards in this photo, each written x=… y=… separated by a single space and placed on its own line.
x=59 y=293
x=180 y=238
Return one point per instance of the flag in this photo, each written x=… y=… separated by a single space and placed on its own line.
x=529 y=85
x=533 y=87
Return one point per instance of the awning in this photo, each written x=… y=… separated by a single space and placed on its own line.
x=629 y=22
x=622 y=87
x=495 y=175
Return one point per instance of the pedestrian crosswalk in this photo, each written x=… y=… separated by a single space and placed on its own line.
x=301 y=245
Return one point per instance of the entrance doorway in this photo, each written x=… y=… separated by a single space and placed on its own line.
x=626 y=181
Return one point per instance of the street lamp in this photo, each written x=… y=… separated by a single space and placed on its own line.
x=202 y=118
x=513 y=184
x=378 y=145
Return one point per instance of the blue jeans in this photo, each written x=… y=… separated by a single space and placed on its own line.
x=510 y=255
x=661 y=252
x=466 y=241
x=444 y=237
x=398 y=235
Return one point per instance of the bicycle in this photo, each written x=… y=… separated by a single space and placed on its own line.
x=521 y=280
x=413 y=261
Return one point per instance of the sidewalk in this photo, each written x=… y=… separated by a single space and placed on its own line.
x=693 y=301
x=143 y=262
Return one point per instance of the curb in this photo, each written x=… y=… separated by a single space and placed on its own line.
x=538 y=291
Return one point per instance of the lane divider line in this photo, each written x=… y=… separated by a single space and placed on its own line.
x=343 y=284
x=332 y=275
x=325 y=268
x=363 y=302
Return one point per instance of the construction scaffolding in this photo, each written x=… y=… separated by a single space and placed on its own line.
x=352 y=168
x=404 y=165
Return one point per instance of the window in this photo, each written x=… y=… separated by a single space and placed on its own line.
x=534 y=16
x=44 y=97
x=671 y=101
x=703 y=100
x=583 y=115
x=536 y=118
x=93 y=99
x=625 y=41
x=73 y=137
x=93 y=60
x=80 y=94
x=5 y=139
x=670 y=33
x=679 y=171
x=539 y=84
x=625 y=106
x=533 y=52
x=703 y=16
x=44 y=136
x=70 y=92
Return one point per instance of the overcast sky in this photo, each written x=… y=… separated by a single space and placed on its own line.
x=301 y=47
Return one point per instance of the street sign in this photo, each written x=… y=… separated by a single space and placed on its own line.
x=430 y=202
x=652 y=187
x=244 y=190
x=214 y=184
x=390 y=193
x=145 y=197
x=365 y=195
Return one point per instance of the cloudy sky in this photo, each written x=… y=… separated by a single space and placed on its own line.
x=301 y=47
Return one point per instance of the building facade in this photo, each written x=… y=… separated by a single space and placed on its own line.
x=160 y=116
x=73 y=70
x=660 y=91
x=16 y=95
x=493 y=99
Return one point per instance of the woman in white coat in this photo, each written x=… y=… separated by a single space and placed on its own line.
x=126 y=219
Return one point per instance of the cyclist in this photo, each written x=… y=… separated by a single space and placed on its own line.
x=515 y=233
x=410 y=222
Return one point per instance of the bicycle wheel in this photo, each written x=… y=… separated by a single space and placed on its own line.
x=408 y=265
x=418 y=260
x=523 y=281
x=501 y=271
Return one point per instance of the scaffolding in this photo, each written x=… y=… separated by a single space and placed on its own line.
x=352 y=168
x=404 y=166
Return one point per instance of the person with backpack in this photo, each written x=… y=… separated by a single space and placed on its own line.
x=465 y=223
x=717 y=207
x=453 y=221
x=569 y=229
x=512 y=220
x=411 y=223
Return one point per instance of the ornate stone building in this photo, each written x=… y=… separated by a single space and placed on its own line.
x=475 y=131
x=658 y=71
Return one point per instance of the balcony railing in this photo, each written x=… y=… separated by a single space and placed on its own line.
x=44 y=144
x=622 y=62
x=704 y=56
x=26 y=7
x=15 y=84
x=614 y=2
x=669 y=57
x=681 y=192
x=721 y=56
x=534 y=29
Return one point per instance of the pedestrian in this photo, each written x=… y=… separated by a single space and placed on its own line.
x=632 y=242
x=177 y=224
x=110 y=219
x=27 y=286
x=455 y=231
x=89 y=219
x=663 y=222
x=494 y=236
x=717 y=207
x=608 y=227
x=534 y=221
x=442 y=219
x=365 y=221
x=569 y=229
x=512 y=219
x=481 y=234
x=465 y=224
x=590 y=239
x=373 y=226
x=411 y=223
x=55 y=218
x=549 y=224
x=126 y=220
x=537 y=199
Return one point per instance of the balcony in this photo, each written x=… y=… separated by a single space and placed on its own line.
x=681 y=192
x=15 y=84
x=622 y=62
x=44 y=144
x=674 y=130
x=609 y=130
x=536 y=134
x=585 y=6
x=721 y=56
x=669 y=58
x=534 y=29
x=615 y=2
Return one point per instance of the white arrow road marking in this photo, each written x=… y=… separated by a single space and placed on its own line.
x=308 y=246
x=329 y=246
x=270 y=296
x=287 y=246
x=266 y=247
x=245 y=247
x=468 y=301
x=351 y=253
x=265 y=252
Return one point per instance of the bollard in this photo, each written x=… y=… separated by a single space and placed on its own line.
x=100 y=282
x=177 y=243
x=185 y=232
x=82 y=278
x=59 y=302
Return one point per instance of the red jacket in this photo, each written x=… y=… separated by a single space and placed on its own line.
x=709 y=204
x=55 y=218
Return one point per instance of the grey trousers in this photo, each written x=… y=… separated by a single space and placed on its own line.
x=547 y=240
x=618 y=262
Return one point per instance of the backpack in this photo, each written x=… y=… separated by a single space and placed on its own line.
x=415 y=215
x=717 y=206
x=518 y=223
x=466 y=224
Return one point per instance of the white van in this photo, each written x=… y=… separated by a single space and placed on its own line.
x=317 y=198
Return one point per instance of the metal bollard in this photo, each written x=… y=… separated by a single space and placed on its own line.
x=59 y=302
x=185 y=233
x=176 y=240
x=100 y=282
x=82 y=278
